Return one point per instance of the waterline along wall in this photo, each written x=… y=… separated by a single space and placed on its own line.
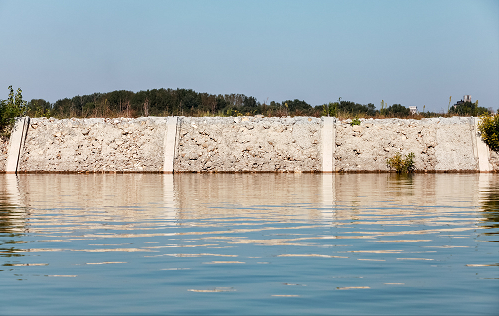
x=242 y=144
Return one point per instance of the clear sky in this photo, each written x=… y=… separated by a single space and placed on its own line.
x=407 y=52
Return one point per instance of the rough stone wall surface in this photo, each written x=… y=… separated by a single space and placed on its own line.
x=367 y=146
x=439 y=144
x=4 y=148
x=248 y=144
x=455 y=147
x=494 y=160
x=244 y=144
x=94 y=145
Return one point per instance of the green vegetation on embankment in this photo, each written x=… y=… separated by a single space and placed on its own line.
x=14 y=106
x=187 y=102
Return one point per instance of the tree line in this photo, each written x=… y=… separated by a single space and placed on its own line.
x=187 y=102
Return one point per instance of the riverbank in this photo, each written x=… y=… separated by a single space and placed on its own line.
x=243 y=144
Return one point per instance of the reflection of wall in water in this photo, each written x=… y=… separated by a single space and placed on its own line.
x=13 y=215
x=101 y=197
x=395 y=194
x=280 y=197
x=488 y=185
x=263 y=195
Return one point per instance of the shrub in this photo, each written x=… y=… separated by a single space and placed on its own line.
x=400 y=164
x=489 y=130
x=355 y=121
x=330 y=109
x=11 y=108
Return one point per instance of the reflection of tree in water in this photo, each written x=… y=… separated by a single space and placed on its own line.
x=490 y=207
x=12 y=226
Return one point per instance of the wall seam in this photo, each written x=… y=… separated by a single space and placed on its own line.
x=328 y=139
x=482 y=149
x=16 y=144
x=170 y=144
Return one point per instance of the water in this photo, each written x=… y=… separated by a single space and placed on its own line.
x=249 y=244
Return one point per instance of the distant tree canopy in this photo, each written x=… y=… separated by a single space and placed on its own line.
x=356 y=108
x=398 y=110
x=38 y=107
x=468 y=109
x=163 y=102
x=187 y=102
x=348 y=108
x=156 y=102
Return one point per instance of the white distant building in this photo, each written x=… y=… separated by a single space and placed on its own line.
x=466 y=98
x=413 y=109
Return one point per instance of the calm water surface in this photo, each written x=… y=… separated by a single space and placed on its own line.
x=249 y=244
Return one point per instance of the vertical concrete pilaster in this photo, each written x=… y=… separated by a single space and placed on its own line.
x=170 y=144
x=328 y=137
x=16 y=144
x=481 y=149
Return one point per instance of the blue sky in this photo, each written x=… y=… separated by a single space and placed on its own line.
x=407 y=52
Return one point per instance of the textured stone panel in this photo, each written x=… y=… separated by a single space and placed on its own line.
x=367 y=146
x=94 y=145
x=4 y=149
x=455 y=146
x=249 y=144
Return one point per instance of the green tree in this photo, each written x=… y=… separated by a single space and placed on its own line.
x=297 y=105
x=39 y=108
x=468 y=109
x=355 y=109
x=11 y=108
x=489 y=130
x=398 y=110
x=119 y=101
x=330 y=109
x=62 y=108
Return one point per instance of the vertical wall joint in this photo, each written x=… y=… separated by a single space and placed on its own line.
x=328 y=138
x=16 y=144
x=481 y=149
x=170 y=144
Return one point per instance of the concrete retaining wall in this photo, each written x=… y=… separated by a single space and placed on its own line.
x=248 y=144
